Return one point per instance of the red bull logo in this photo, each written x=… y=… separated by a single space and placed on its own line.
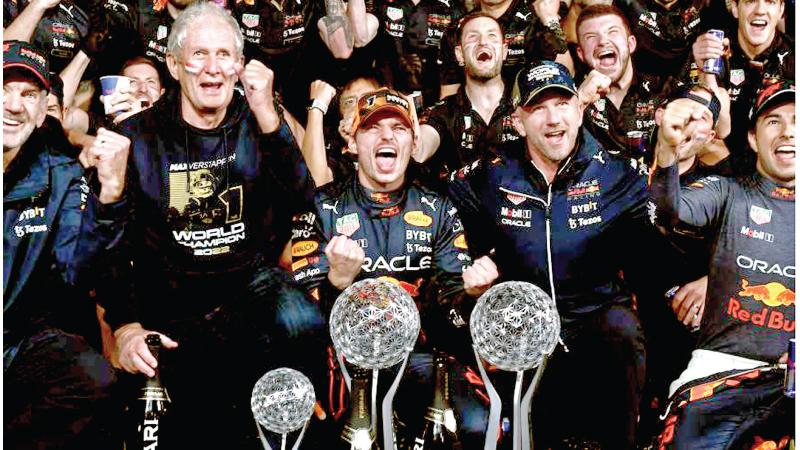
x=412 y=289
x=772 y=294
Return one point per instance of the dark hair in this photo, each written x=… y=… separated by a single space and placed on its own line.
x=57 y=87
x=590 y=12
x=136 y=60
x=476 y=15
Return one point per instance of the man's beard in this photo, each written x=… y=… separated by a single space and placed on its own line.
x=483 y=76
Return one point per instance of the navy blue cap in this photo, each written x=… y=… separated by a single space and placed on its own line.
x=26 y=56
x=537 y=77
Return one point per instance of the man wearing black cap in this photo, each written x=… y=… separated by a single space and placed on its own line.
x=559 y=211
x=730 y=395
x=55 y=230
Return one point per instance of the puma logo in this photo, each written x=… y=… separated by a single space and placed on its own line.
x=430 y=203
x=599 y=156
x=646 y=85
x=523 y=16
x=333 y=208
x=781 y=56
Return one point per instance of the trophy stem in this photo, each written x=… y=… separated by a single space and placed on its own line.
x=261 y=436
x=300 y=438
x=374 y=418
x=283 y=441
x=495 y=406
x=517 y=420
x=527 y=427
x=386 y=410
x=343 y=368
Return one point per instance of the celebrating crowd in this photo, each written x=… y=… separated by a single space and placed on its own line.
x=261 y=156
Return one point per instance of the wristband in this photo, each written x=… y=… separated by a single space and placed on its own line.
x=318 y=104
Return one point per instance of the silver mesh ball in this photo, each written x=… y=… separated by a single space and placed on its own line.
x=514 y=325
x=374 y=324
x=282 y=400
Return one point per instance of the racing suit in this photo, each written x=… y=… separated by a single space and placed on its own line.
x=749 y=315
x=570 y=237
x=413 y=238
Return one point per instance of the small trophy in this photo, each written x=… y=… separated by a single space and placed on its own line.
x=374 y=325
x=282 y=402
x=515 y=326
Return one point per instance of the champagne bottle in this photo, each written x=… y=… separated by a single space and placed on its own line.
x=154 y=403
x=358 y=433
x=439 y=431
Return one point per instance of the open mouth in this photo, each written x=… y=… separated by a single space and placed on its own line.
x=483 y=56
x=11 y=122
x=144 y=101
x=785 y=153
x=606 y=58
x=211 y=88
x=758 y=25
x=385 y=159
x=555 y=137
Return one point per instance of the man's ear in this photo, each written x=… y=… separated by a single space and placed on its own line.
x=735 y=9
x=516 y=120
x=659 y=115
x=631 y=44
x=172 y=65
x=351 y=145
x=42 y=113
x=504 y=50
x=751 y=139
x=580 y=54
x=459 y=55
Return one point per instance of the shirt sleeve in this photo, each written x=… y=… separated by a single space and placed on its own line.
x=309 y=264
x=698 y=204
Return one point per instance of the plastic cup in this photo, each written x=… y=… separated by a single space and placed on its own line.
x=110 y=85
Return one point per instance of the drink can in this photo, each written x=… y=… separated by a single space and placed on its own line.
x=714 y=65
x=637 y=142
x=788 y=381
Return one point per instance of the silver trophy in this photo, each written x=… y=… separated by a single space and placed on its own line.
x=515 y=326
x=374 y=325
x=282 y=402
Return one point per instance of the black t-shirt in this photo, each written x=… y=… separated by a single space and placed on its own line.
x=526 y=36
x=59 y=33
x=664 y=37
x=406 y=29
x=464 y=137
x=269 y=30
x=627 y=130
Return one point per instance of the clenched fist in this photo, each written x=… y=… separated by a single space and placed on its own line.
x=322 y=91
x=345 y=257
x=257 y=80
x=109 y=154
x=594 y=87
x=676 y=126
x=480 y=276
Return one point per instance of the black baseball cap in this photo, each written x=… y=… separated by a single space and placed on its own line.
x=538 y=77
x=772 y=92
x=18 y=54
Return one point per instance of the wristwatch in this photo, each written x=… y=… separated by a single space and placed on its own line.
x=319 y=104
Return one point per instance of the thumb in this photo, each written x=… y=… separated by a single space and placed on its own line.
x=167 y=342
x=238 y=68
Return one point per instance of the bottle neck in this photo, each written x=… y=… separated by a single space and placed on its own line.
x=359 y=425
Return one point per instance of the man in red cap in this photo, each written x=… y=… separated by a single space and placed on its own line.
x=731 y=395
x=385 y=223
x=55 y=230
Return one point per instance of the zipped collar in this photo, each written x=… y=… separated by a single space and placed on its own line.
x=585 y=147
